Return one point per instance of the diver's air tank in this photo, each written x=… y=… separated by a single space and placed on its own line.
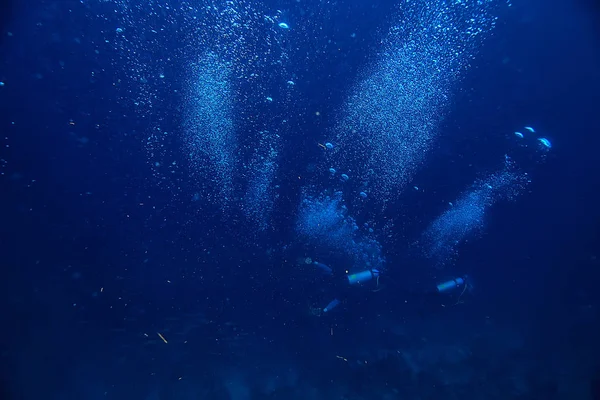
x=332 y=304
x=363 y=276
x=450 y=285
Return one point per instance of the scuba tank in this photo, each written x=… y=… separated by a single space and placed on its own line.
x=451 y=285
x=332 y=304
x=363 y=276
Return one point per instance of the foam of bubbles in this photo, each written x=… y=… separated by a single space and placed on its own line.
x=323 y=220
x=465 y=219
x=392 y=115
x=225 y=54
x=209 y=129
x=260 y=193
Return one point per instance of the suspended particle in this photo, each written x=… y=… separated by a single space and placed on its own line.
x=329 y=146
x=519 y=135
x=269 y=99
x=363 y=195
x=283 y=25
x=119 y=30
x=416 y=188
x=530 y=129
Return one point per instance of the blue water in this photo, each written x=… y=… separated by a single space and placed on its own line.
x=170 y=227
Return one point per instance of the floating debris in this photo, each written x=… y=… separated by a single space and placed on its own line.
x=162 y=337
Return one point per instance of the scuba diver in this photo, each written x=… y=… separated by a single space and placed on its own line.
x=342 y=284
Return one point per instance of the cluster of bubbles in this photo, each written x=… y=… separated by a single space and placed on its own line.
x=144 y=30
x=465 y=218
x=392 y=114
x=229 y=54
x=235 y=58
x=261 y=191
x=324 y=221
x=239 y=30
x=244 y=165
x=209 y=127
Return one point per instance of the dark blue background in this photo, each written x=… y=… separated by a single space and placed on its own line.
x=535 y=267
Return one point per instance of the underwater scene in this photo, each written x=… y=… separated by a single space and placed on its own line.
x=300 y=200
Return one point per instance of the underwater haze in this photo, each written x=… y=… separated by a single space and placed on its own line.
x=299 y=200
